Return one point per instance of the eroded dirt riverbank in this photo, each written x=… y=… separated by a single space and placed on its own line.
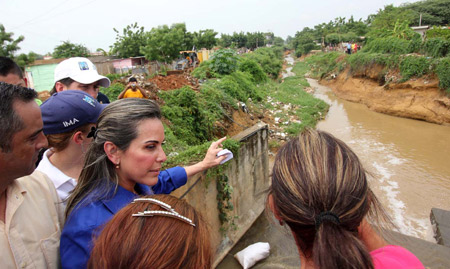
x=419 y=99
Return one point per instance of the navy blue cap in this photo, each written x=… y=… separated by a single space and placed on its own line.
x=67 y=110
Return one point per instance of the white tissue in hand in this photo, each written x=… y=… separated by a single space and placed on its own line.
x=225 y=152
x=250 y=255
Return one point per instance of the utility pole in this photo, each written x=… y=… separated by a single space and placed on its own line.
x=420 y=20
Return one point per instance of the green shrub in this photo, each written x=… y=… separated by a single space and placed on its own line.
x=231 y=88
x=436 y=32
x=113 y=77
x=203 y=71
x=187 y=115
x=414 y=66
x=113 y=91
x=437 y=47
x=277 y=50
x=415 y=44
x=172 y=144
x=443 y=73
x=270 y=59
x=196 y=153
x=361 y=61
x=239 y=85
x=333 y=38
x=323 y=63
x=392 y=45
x=350 y=37
x=211 y=93
x=252 y=67
x=247 y=85
x=303 y=49
x=224 y=61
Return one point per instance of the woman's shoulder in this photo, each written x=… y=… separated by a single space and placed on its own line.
x=392 y=256
x=90 y=212
x=85 y=216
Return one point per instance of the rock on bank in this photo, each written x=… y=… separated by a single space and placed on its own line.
x=419 y=99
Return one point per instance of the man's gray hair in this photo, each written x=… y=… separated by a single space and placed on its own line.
x=10 y=122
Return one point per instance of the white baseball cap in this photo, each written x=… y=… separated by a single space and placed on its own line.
x=81 y=70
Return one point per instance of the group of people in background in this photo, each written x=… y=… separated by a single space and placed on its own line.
x=351 y=47
x=100 y=199
x=347 y=47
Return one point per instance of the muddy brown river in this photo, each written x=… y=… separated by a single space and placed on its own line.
x=409 y=160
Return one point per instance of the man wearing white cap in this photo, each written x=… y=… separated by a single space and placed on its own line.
x=78 y=73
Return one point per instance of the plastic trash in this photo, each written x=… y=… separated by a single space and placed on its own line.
x=226 y=152
x=250 y=255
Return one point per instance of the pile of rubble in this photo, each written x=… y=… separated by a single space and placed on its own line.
x=276 y=125
x=174 y=81
x=163 y=83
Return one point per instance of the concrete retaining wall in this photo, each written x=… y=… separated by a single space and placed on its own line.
x=248 y=176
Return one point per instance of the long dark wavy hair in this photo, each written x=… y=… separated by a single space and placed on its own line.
x=118 y=124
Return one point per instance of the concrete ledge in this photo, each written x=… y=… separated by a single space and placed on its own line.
x=431 y=255
x=284 y=253
x=440 y=221
x=249 y=132
x=248 y=176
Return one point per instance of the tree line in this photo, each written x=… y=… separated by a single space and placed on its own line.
x=163 y=43
x=388 y=21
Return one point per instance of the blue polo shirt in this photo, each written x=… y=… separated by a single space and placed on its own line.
x=86 y=222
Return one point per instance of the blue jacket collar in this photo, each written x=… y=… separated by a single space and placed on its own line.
x=123 y=197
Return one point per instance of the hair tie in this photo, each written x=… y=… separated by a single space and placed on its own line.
x=327 y=216
x=93 y=132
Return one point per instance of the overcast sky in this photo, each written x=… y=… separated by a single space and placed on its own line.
x=46 y=23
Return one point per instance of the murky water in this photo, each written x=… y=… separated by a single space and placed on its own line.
x=290 y=61
x=409 y=159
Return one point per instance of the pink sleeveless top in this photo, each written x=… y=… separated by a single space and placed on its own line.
x=394 y=257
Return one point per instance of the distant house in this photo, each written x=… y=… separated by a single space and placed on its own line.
x=421 y=30
x=40 y=74
x=130 y=64
x=104 y=64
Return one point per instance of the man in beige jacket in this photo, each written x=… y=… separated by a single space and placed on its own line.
x=31 y=214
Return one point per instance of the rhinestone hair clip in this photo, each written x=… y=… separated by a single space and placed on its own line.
x=171 y=213
x=156 y=202
x=165 y=214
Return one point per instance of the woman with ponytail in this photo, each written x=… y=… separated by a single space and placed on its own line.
x=320 y=190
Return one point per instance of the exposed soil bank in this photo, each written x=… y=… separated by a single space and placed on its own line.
x=419 y=99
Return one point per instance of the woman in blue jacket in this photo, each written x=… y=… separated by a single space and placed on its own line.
x=123 y=162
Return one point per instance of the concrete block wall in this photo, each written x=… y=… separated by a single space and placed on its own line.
x=248 y=176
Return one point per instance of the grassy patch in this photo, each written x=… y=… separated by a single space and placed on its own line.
x=437 y=47
x=193 y=154
x=443 y=73
x=308 y=109
x=113 y=91
x=414 y=66
x=322 y=64
x=392 y=45
x=187 y=115
x=362 y=60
